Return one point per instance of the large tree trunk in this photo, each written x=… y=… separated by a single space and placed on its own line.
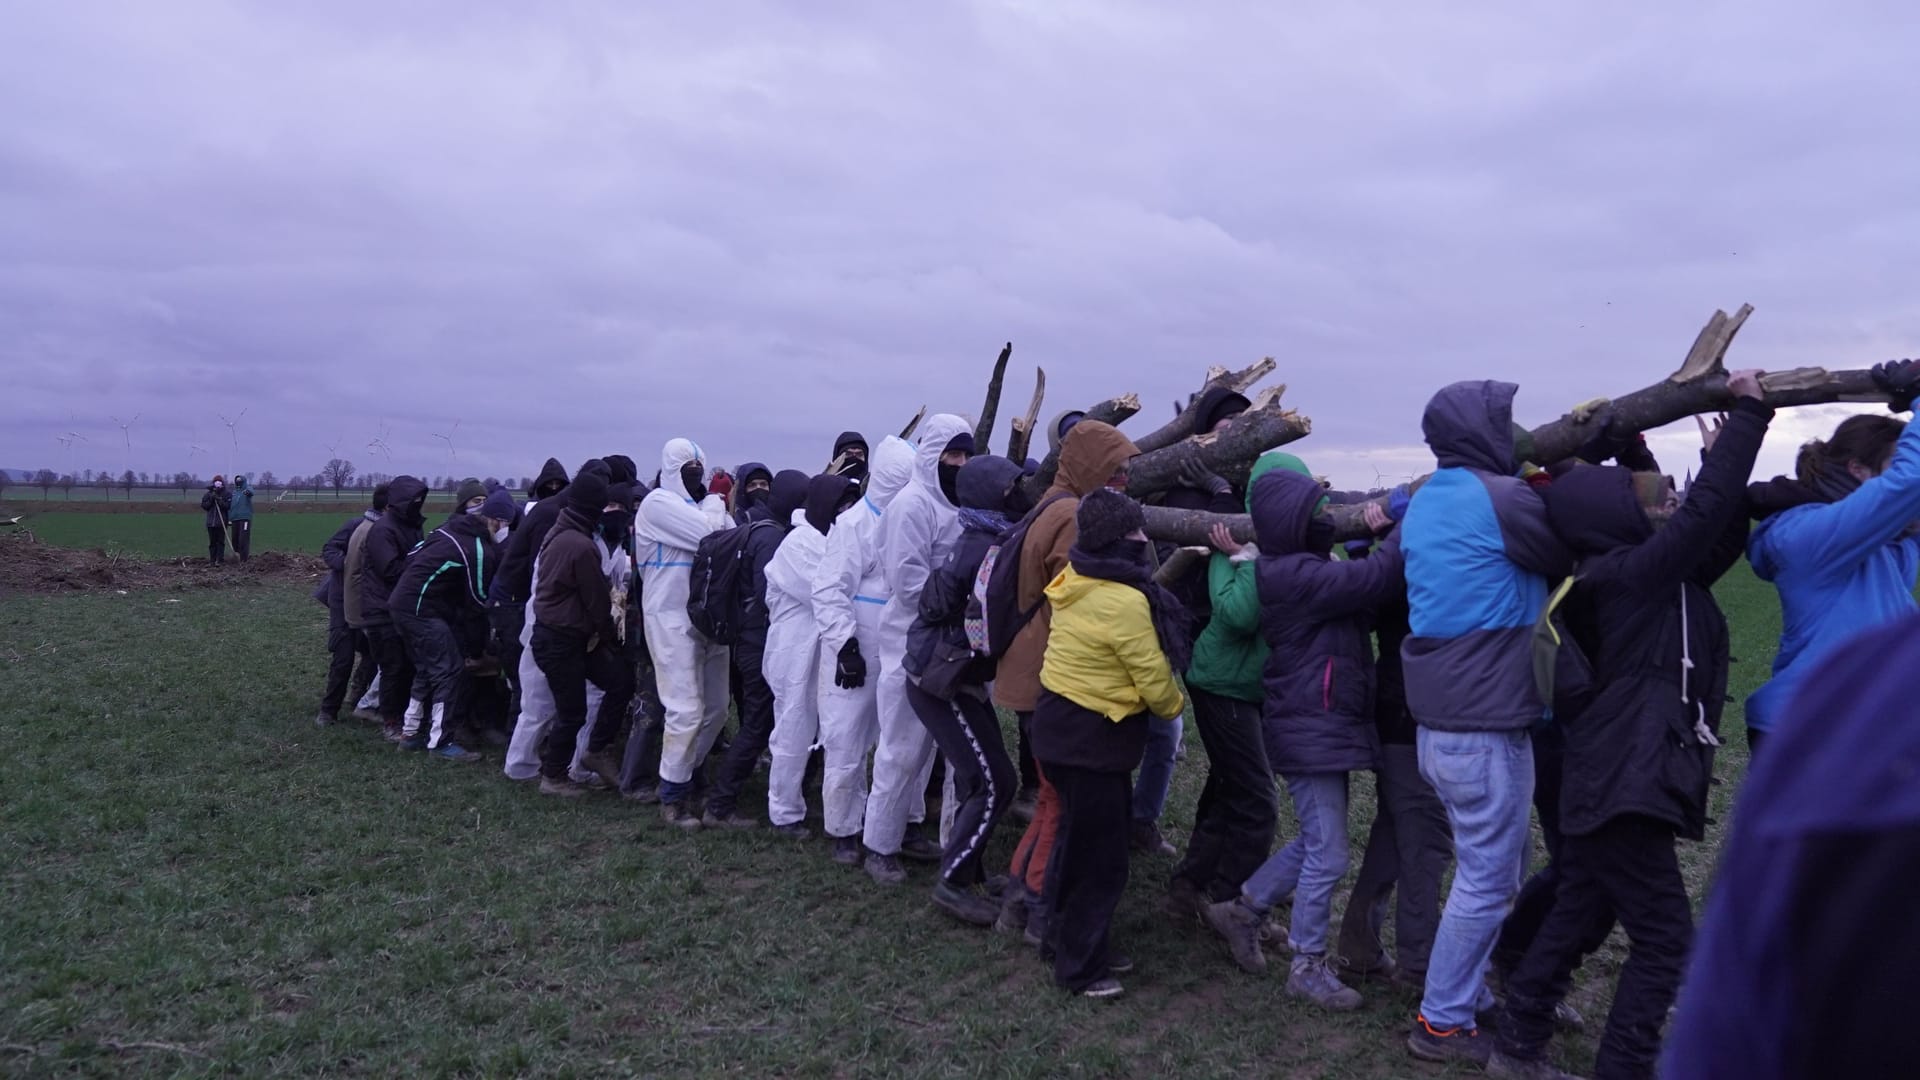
x=1020 y=444
x=1115 y=412
x=1230 y=454
x=990 y=412
x=1182 y=426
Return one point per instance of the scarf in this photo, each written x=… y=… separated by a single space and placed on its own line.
x=991 y=522
x=1126 y=563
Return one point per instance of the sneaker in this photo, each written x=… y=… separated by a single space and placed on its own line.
x=847 y=850
x=885 y=869
x=563 y=787
x=1380 y=968
x=1024 y=805
x=414 y=742
x=1119 y=964
x=1239 y=926
x=918 y=848
x=323 y=718
x=1313 y=980
x=1184 y=902
x=728 y=820
x=645 y=795
x=1429 y=1043
x=1103 y=989
x=1514 y=1068
x=1013 y=911
x=455 y=752
x=964 y=904
x=1036 y=931
x=679 y=816
x=1146 y=840
x=1568 y=1018
x=793 y=830
x=996 y=886
x=368 y=715
x=603 y=766
x=392 y=732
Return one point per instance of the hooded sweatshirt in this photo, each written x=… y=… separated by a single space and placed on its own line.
x=790 y=575
x=1644 y=615
x=1053 y=427
x=849 y=588
x=446 y=578
x=572 y=592
x=552 y=475
x=1840 y=568
x=513 y=584
x=1315 y=615
x=668 y=530
x=1479 y=559
x=982 y=485
x=917 y=534
x=772 y=521
x=386 y=545
x=1092 y=453
x=242 y=507
x=742 y=512
x=1230 y=656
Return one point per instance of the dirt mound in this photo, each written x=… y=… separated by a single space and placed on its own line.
x=27 y=565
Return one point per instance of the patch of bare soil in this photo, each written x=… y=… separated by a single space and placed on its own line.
x=29 y=566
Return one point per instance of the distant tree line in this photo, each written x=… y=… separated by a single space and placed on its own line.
x=338 y=475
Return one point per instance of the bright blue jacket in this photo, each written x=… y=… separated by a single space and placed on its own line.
x=1841 y=568
x=1479 y=556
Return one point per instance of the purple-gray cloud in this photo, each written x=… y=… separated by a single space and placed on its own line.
x=591 y=227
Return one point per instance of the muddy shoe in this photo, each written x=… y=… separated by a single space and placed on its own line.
x=728 y=820
x=392 y=733
x=1183 y=902
x=679 y=816
x=1103 y=990
x=645 y=795
x=1313 y=980
x=603 y=766
x=368 y=715
x=1429 y=1043
x=323 y=718
x=414 y=742
x=563 y=788
x=885 y=869
x=793 y=831
x=456 y=753
x=965 y=905
x=1013 y=911
x=918 y=848
x=1146 y=840
x=1379 y=969
x=847 y=850
x=1239 y=926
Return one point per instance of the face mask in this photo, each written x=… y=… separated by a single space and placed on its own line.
x=217 y=485
x=473 y=509
x=614 y=525
x=950 y=481
x=500 y=535
x=1320 y=533
x=415 y=512
x=692 y=475
x=756 y=497
x=1019 y=503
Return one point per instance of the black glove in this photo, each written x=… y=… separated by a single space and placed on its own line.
x=1901 y=380
x=1195 y=474
x=850 y=672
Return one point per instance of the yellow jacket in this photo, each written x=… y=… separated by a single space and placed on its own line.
x=1103 y=654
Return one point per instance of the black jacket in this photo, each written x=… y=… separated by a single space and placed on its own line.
x=386 y=546
x=773 y=521
x=982 y=486
x=552 y=474
x=513 y=585
x=1642 y=611
x=217 y=505
x=446 y=576
x=1315 y=615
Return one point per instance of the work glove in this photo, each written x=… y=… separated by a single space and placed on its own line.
x=1195 y=474
x=1398 y=500
x=850 y=671
x=1901 y=381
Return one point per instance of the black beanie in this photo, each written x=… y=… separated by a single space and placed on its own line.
x=588 y=492
x=1105 y=519
x=621 y=469
x=621 y=493
x=962 y=442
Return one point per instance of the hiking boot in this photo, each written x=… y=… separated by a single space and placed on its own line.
x=414 y=742
x=1429 y=1043
x=1013 y=911
x=1313 y=980
x=1023 y=806
x=1184 y=902
x=645 y=795
x=392 y=732
x=679 y=815
x=1103 y=989
x=847 y=850
x=369 y=715
x=562 y=787
x=793 y=830
x=964 y=904
x=1274 y=936
x=1514 y=1068
x=1379 y=969
x=1146 y=840
x=918 y=848
x=728 y=820
x=455 y=752
x=602 y=765
x=1239 y=926
x=1036 y=932
x=885 y=869
x=323 y=718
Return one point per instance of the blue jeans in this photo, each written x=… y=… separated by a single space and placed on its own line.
x=1311 y=867
x=1485 y=780
x=1156 y=769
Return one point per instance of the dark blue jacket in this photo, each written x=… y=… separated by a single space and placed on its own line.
x=776 y=518
x=387 y=543
x=982 y=487
x=1315 y=616
x=1479 y=560
x=446 y=577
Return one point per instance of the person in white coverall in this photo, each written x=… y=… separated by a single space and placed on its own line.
x=917 y=535
x=692 y=671
x=792 y=658
x=849 y=593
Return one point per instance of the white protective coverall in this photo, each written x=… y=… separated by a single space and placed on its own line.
x=791 y=665
x=917 y=536
x=849 y=591
x=692 y=671
x=536 y=698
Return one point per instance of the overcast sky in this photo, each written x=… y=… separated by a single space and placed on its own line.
x=583 y=227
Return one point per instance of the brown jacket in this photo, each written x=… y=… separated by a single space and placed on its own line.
x=1092 y=454
x=570 y=589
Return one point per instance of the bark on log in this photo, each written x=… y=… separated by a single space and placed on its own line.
x=1182 y=426
x=1020 y=445
x=990 y=412
x=1115 y=412
x=913 y=425
x=1230 y=455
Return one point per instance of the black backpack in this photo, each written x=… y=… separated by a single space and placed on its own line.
x=716 y=595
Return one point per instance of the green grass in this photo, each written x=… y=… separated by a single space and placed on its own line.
x=194 y=880
x=165 y=536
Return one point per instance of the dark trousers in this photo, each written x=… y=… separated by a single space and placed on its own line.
x=396 y=671
x=508 y=619
x=967 y=730
x=1628 y=868
x=242 y=539
x=439 y=668
x=640 y=767
x=216 y=544
x=345 y=645
x=754 y=700
x=1407 y=854
x=1029 y=771
x=1239 y=807
x=1088 y=870
x=568 y=666
x=1754 y=738
x=1535 y=902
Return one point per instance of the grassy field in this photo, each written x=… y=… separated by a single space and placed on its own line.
x=26 y=497
x=184 y=534
x=197 y=881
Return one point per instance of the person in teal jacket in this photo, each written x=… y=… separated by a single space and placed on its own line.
x=1233 y=824
x=240 y=518
x=1838 y=541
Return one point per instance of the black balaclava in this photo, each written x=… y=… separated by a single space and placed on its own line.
x=694 y=475
x=855 y=469
x=1019 y=504
x=621 y=469
x=616 y=525
x=587 y=495
x=950 y=474
x=415 y=512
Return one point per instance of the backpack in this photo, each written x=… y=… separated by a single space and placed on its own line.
x=994 y=615
x=716 y=593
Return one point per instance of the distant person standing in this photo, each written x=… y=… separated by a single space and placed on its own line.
x=217 y=502
x=240 y=517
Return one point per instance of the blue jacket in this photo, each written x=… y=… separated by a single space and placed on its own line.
x=242 y=509
x=1479 y=558
x=1840 y=568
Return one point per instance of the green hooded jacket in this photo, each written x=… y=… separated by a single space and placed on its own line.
x=1230 y=657
x=242 y=501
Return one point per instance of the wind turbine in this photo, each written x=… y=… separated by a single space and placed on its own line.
x=378 y=444
x=235 y=436
x=193 y=447
x=448 y=438
x=126 y=433
x=67 y=441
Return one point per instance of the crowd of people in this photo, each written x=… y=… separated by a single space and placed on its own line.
x=1511 y=638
